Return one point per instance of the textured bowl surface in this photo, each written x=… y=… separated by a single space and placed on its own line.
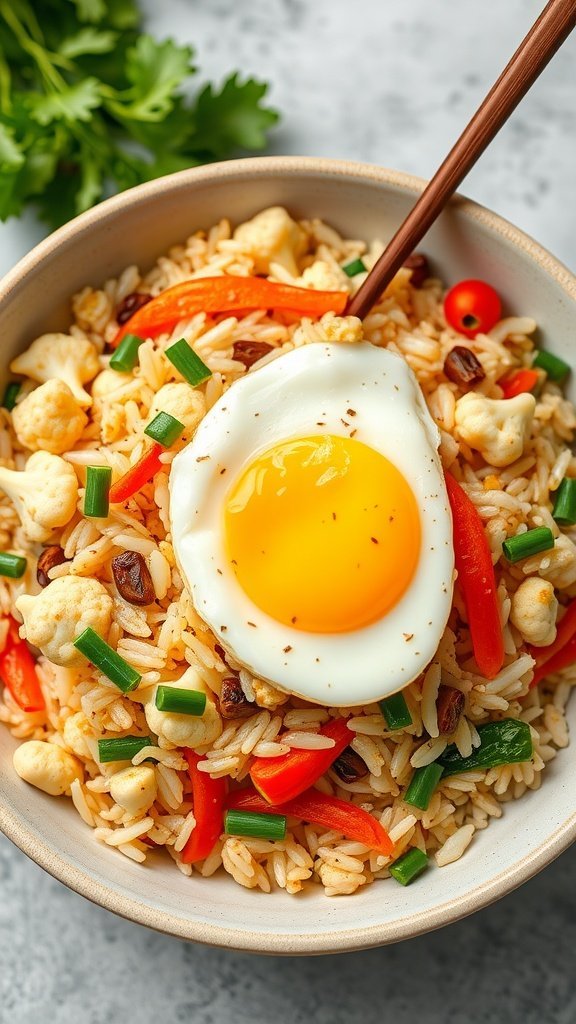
x=136 y=227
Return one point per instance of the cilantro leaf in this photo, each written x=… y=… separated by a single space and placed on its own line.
x=154 y=71
x=90 y=10
x=73 y=103
x=231 y=119
x=88 y=40
x=11 y=155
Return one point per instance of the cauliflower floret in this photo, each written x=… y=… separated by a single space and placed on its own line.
x=272 y=237
x=76 y=731
x=184 y=403
x=324 y=277
x=107 y=382
x=533 y=611
x=341 y=328
x=72 y=360
x=559 y=563
x=267 y=696
x=49 y=419
x=185 y=730
x=45 y=494
x=47 y=767
x=134 y=788
x=497 y=428
x=59 y=613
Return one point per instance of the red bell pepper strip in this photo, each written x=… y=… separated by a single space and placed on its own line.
x=208 y=797
x=282 y=778
x=477 y=581
x=563 y=657
x=223 y=295
x=519 y=382
x=320 y=809
x=138 y=475
x=564 y=633
x=18 y=672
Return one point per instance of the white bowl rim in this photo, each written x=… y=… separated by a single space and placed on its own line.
x=348 y=939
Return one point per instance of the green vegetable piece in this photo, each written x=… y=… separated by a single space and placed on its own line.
x=96 y=503
x=107 y=660
x=125 y=357
x=422 y=785
x=524 y=545
x=188 y=363
x=11 y=393
x=182 y=702
x=565 y=504
x=395 y=711
x=165 y=429
x=505 y=742
x=409 y=866
x=258 y=826
x=13 y=566
x=122 y=748
x=354 y=267
x=555 y=367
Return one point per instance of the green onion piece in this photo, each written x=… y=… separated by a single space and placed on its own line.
x=395 y=711
x=555 y=367
x=422 y=785
x=182 y=702
x=565 y=504
x=354 y=267
x=505 y=742
x=165 y=429
x=409 y=866
x=98 y=479
x=11 y=565
x=121 y=749
x=258 y=826
x=125 y=357
x=188 y=363
x=107 y=660
x=11 y=394
x=526 y=544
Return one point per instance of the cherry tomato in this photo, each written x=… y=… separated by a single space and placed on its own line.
x=472 y=307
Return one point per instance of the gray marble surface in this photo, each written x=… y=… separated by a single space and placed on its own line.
x=391 y=82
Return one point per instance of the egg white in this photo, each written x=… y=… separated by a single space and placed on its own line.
x=288 y=398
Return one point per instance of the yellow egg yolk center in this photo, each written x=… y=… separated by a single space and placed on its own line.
x=323 y=533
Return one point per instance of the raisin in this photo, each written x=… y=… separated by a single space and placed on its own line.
x=462 y=367
x=418 y=264
x=249 y=352
x=50 y=557
x=132 y=578
x=233 y=700
x=130 y=304
x=350 y=767
x=449 y=707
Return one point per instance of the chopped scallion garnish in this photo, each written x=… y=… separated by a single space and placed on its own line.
x=107 y=660
x=409 y=866
x=184 y=358
x=395 y=711
x=524 y=545
x=507 y=741
x=11 y=394
x=422 y=785
x=354 y=267
x=125 y=357
x=258 y=826
x=122 y=748
x=165 y=429
x=555 y=367
x=565 y=503
x=181 y=702
x=11 y=565
x=96 y=502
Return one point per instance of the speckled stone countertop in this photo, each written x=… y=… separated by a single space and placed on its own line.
x=391 y=82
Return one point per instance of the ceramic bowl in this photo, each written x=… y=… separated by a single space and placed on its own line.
x=136 y=227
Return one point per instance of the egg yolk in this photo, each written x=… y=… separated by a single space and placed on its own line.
x=323 y=533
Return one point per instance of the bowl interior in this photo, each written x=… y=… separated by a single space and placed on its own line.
x=135 y=228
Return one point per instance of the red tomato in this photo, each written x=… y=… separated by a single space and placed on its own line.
x=472 y=307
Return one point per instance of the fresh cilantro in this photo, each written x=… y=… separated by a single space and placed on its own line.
x=89 y=104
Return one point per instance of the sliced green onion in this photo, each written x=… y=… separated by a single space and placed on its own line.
x=555 y=367
x=121 y=749
x=165 y=429
x=188 y=363
x=98 y=479
x=354 y=267
x=409 y=866
x=125 y=357
x=505 y=742
x=565 y=504
x=258 y=826
x=182 y=702
x=11 y=393
x=107 y=660
x=395 y=711
x=422 y=785
x=11 y=565
x=526 y=544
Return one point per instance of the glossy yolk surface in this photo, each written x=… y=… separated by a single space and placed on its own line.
x=323 y=533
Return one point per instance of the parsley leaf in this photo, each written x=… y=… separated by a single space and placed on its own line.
x=154 y=71
x=232 y=118
x=73 y=103
x=88 y=40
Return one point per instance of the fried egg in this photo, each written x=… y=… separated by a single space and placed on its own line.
x=311 y=524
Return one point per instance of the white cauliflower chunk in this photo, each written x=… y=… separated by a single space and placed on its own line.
x=533 y=611
x=272 y=237
x=134 y=788
x=347 y=329
x=49 y=419
x=59 y=613
x=47 y=767
x=184 y=403
x=107 y=382
x=185 y=730
x=497 y=428
x=64 y=357
x=45 y=494
x=323 y=276
x=76 y=731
